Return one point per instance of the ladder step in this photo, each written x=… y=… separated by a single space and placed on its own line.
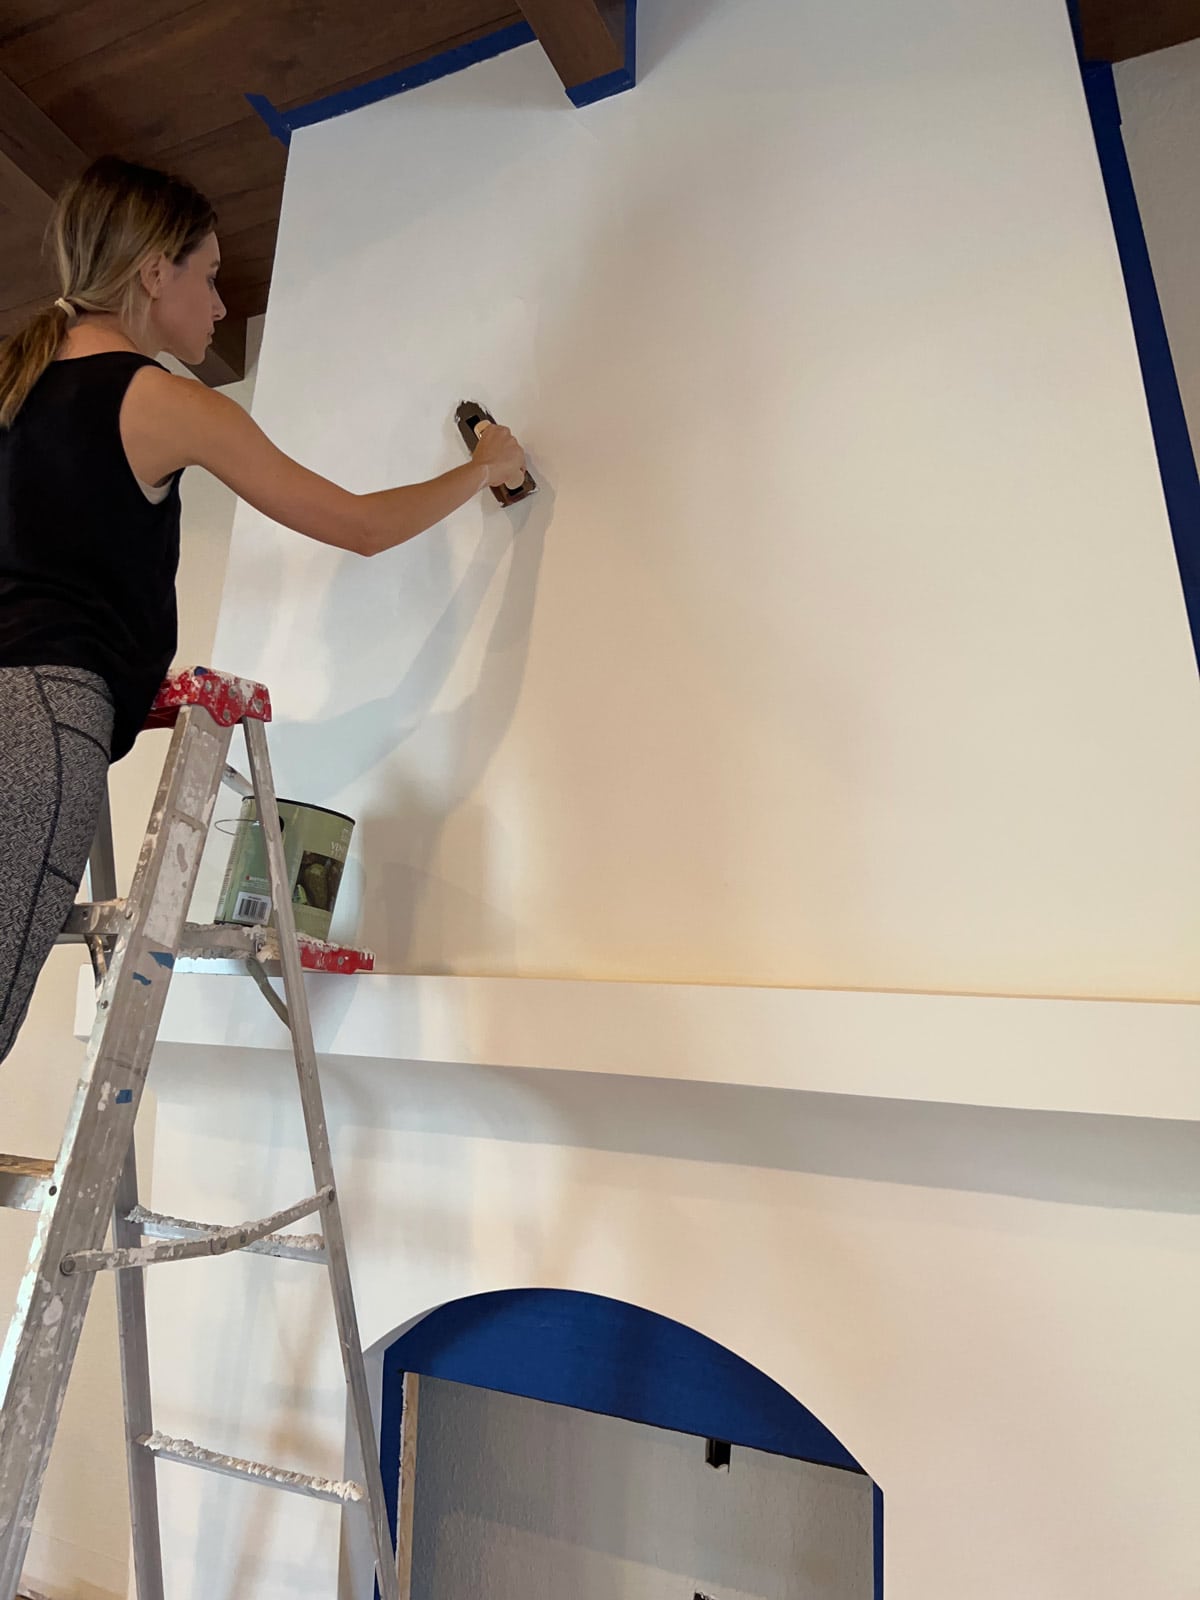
x=340 y=1492
x=286 y=1246
x=24 y=1182
x=214 y=1242
x=217 y=941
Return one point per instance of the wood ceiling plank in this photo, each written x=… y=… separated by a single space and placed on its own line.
x=187 y=75
x=163 y=81
x=36 y=157
x=584 y=39
x=496 y=20
x=240 y=169
x=36 y=36
x=1116 y=30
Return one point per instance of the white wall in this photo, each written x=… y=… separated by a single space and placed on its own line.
x=80 y=1539
x=993 y=1310
x=518 y=1500
x=845 y=645
x=1159 y=96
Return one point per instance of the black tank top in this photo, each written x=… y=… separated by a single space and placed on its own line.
x=87 y=562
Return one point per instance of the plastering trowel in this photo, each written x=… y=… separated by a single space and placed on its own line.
x=472 y=419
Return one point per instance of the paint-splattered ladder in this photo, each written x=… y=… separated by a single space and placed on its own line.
x=134 y=945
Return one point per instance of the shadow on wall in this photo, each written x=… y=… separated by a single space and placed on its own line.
x=1134 y=1163
x=1109 y=1161
x=294 y=1433
x=398 y=844
x=665 y=698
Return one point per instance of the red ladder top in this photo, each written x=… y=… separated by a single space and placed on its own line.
x=228 y=700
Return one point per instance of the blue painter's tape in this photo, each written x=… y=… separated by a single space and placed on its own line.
x=439 y=66
x=138 y=978
x=1168 y=421
x=572 y=1349
x=586 y=94
x=124 y=1096
x=274 y=121
x=597 y=1354
x=1073 y=13
x=284 y=123
x=877 y=1538
x=391 y=1423
x=366 y=94
x=164 y=958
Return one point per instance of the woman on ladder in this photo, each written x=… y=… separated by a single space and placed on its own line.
x=94 y=437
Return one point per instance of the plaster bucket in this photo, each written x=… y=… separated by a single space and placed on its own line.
x=315 y=842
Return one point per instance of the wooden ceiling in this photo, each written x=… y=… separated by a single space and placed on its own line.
x=165 y=82
x=1116 y=30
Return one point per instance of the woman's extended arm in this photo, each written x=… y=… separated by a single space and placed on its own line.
x=169 y=422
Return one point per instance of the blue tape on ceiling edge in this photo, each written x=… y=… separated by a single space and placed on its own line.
x=276 y=124
x=284 y=123
x=586 y=94
x=1168 y=421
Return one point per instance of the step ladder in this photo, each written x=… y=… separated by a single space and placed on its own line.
x=134 y=944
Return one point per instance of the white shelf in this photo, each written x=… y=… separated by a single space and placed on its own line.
x=1102 y=1057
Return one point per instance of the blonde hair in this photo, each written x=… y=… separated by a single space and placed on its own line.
x=105 y=224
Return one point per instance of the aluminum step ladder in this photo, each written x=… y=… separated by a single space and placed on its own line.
x=134 y=944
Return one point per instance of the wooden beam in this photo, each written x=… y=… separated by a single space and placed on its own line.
x=226 y=358
x=584 y=39
x=1115 y=30
x=36 y=156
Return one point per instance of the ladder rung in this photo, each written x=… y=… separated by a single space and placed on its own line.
x=340 y=1492
x=93 y=919
x=287 y=1246
x=24 y=1182
x=215 y=1242
x=217 y=941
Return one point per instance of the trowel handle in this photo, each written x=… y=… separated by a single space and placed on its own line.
x=514 y=489
x=472 y=419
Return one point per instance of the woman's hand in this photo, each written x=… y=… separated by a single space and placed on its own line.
x=168 y=422
x=501 y=455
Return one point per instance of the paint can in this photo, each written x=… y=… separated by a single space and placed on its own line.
x=315 y=844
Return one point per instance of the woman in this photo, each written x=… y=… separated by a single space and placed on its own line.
x=94 y=436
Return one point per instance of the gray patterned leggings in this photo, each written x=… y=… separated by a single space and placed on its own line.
x=55 y=737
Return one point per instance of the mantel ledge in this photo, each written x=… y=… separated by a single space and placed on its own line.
x=1096 y=1057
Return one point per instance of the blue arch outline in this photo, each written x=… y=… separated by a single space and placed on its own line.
x=595 y=1354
